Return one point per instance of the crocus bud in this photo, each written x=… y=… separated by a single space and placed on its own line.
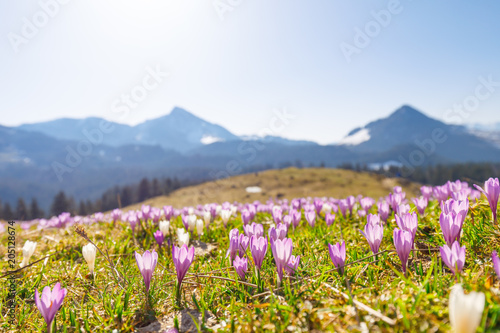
x=403 y=241
x=159 y=237
x=329 y=218
x=492 y=192
x=337 y=255
x=28 y=250
x=165 y=227
x=258 y=247
x=225 y=215
x=311 y=217
x=89 y=252
x=207 y=217
x=374 y=232
x=465 y=311
x=199 y=227
x=453 y=257
x=191 y=221
x=241 y=266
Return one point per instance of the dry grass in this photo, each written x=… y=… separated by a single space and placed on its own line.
x=285 y=183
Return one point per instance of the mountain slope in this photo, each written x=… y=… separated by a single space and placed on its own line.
x=179 y=130
x=409 y=128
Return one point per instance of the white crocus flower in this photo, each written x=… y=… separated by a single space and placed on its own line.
x=225 y=214
x=89 y=252
x=199 y=227
x=326 y=208
x=190 y=211
x=165 y=227
x=207 y=217
x=182 y=237
x=191 y=222
x=465 y=310
x=28 y=250
x=234 y=210
x=218 y=209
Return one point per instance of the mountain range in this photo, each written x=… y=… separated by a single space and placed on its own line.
x=84 y=157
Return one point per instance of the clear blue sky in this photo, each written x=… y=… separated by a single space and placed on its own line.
x=261 y=56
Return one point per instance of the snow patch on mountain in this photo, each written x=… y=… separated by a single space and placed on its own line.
x=356 y=138
x=208 y=139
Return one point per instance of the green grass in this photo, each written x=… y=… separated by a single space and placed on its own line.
x=309 y=301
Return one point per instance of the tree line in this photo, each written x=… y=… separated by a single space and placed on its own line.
x=121 y=196
x=117 y=196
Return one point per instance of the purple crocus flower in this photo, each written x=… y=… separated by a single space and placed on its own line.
x=168 y=211
x=254 y=229
x=461 y=195
x=337 y=255
x=441 y=193
x=183 y=258
x=296 y=204
x=496 y=263
x=426 y=191
x=403 y=209
x=293 y=264
x=403 y=241
x=351 y=201
x=384 y=210
x=241 y=266
x=258 y=247
x=277 y=214
x=374 y=232
x=278 y=232
x=133 y=220
x=454 y=258
x=395 y=199
x=234 y=244
x=296 y=217
x=185 y=221
x=282 y=250
x=116 y=214
x=246 y=216
x=456 y=208
x=311 y=217
x=373 y=219
x=242 y=244
x=318 y=205
x=492 y=192
x=234 y=233
x=408 y=222
x=421 y=204
x=329 y=218
x=159 y=237
x=146 y=263
x=146 y=211
x=343 y=206
x=49 y=302
x=287 y=220
x=366 y=203
x=451 y=226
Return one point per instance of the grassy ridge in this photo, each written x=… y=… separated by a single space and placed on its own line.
x=286 y=183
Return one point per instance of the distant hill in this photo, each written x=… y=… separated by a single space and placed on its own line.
x=286 y=183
